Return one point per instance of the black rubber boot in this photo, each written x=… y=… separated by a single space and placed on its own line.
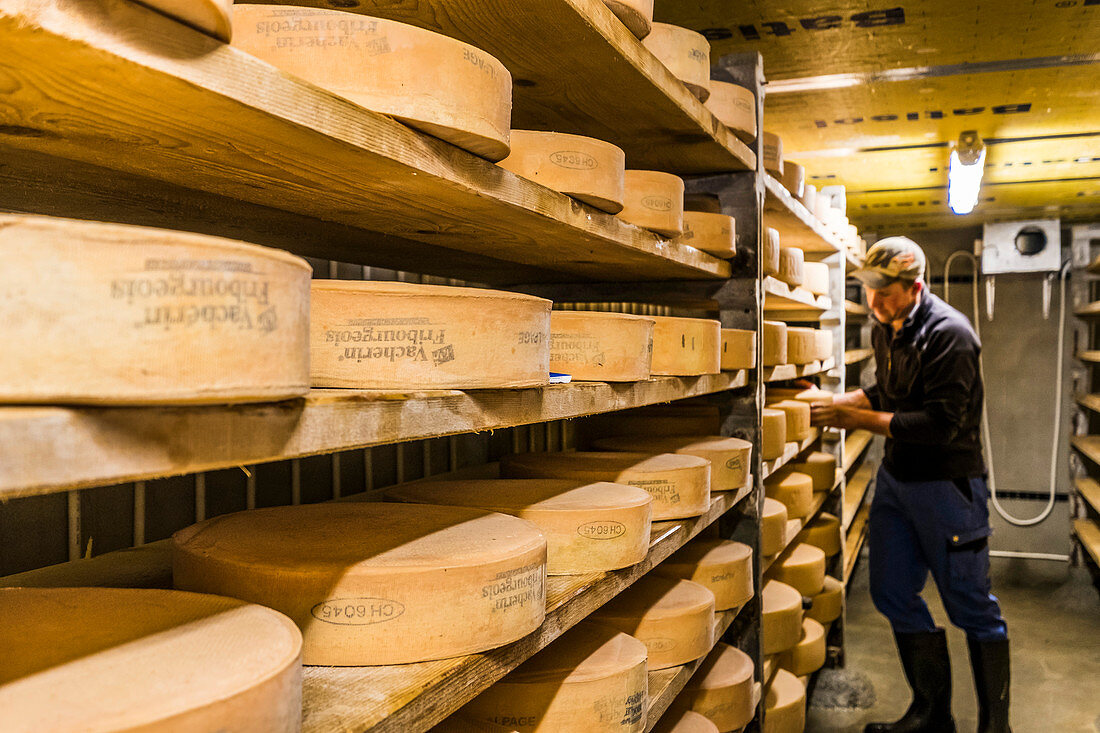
x=991 y=679
x=928 y=670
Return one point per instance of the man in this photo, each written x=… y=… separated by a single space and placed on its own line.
x=929 y=511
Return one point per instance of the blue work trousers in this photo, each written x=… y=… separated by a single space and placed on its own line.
x=917 y=527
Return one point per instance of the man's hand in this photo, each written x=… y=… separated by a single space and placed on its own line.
x=850 y=418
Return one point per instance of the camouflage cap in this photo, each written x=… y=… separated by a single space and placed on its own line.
x=890 y=260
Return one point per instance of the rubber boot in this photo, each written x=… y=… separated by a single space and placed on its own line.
x=991 y=680
x=928 y=670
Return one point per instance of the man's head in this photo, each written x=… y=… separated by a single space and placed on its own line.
x=893 y=277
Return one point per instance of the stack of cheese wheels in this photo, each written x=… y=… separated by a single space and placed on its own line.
x=155 y=316
x=823 y=344
x=801 y=345
x=674 y=618
x=810 y=395
x=774 y=340
x=712 y=233
x=785 y=704
x=808 y=655
x=584 y=168
x=791 y=260
x=636 y=15
x=209 y=16
x=828 y=604
x=722 y=566
x=798 y=418
x=781 y=619
x=721 y=689
x=685 y=53
x=823 y=533
x=436 y=84
x=680 y=485
x=592 y=678
x=686 y=346
x=738 y=349
x=773 y=527
x=773 y=433
x=654 y=420
x=735 y=107
x=125 y=659
x=392 y=335
x=375 y=583
x=809 y=197
x=815 y=277
x=793 y=489
x=728 y=457
x=589 y=527
x=684 y=721
x=773 y=154
x=601 y=347
x=655 y=201
x=819 y=466
x=769 y=252
x=794 y=178
x=803 y=568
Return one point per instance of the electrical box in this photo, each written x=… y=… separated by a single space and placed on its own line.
x=1022 y=246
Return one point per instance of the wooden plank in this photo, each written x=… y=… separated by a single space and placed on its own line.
x=1089 y=310
x=797 y=227
x=147 y=566
x=784 y=372
x=1089 y=491
x=854 y=540
x=856 y=310
x=48 y=449
x=270 y=139
x=1090 y=356
x=854 y=446
x=782 y=302
x=791 y=451
x=856 y=356
x=1088 y=446
x=855 y=492
x=1088 y=534
x=1089 y=401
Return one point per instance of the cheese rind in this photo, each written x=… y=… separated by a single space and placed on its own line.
x=811 y=395
x=712 y=233
x=798 y=418
x=773 y=433
x=738 y=349
x=769 y=252
x=824 y=533
x=735 y=107
x=794 y=178
x=785 y=704
x=828 y=604
x=815 y=277
x=721 y=689
x=636 y=15
x=819 y=466
x=774 y=340
x=803 y=568
x=794 y=490
x=809 y=197
x=801 y=345
x=654 y=200
x=684 y=721
x=791 y=260
x=772 y=150
x=722 y=566
x=685 y=53
x=823 y=344
x=781 y=618
x=595 y=346
x=808 y=655
x=584 y=168
x=375 y=583
x=728 y=457
x=686 y=346
x=209 y=16
x=773 y=527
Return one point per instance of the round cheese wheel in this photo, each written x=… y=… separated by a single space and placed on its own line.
x=769 y=252
x=728 y=457
x=735 y=107
x=722 y=566
x=785 y=704
x=592 y=678
x=819 y=466
x=585 y=168
x=791 y=260
x=822 y=207
x=794 y=490
x=656 y=420
x=773 y=433
x=680 y=485
x=775 y=343
x=824 y=533
x=815 y=277
x=801 y=347
x=802 y=568
x=712 y=233
x=686 y=346
x=798 y=418
x=433 y=83
x=808 y=655
x=685 y=53
x=636 y=15
x=110 y=314
x=209 y=16
x=773 y=527
x=773 y=154
x=375 y=583
x=823 y=344
x=781 y=619
x=794 y=178
x=394 y=335
x=654 y=200
x=812 y=395
x=589 y=527
x=721 y=689
x=827 y=604
x=595 y=346
x=684 y=721
x=738 y=349
x=126 y=659
x=674 y=618
x=809 y=196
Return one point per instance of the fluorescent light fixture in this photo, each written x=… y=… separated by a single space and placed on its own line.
x=964 y=173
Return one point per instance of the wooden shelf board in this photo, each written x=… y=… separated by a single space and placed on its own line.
x=1088 y=446
x=1087 y=533
x=856 y=310
x=790 y=452
x=1094 y=266
x=855 y=444
x=291 y=154
x=796 y=371
x=855 y=492
x=856 y=356
x=1090 y=357
x=797 y=227
x=1089 y=401
x=854 y=541
x=1089 y=491
x=1089 y=310
x=782 y=302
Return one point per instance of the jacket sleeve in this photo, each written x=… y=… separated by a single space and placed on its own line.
x=949 y=369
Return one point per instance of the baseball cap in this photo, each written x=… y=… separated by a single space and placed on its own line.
x=889 y=260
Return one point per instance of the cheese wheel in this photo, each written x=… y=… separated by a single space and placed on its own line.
x=823 y=344
x=773 y=527
x=808 y=655
x=801 y=347
x=811 y=395
x=803 y=568
x=686 y=346
x=735 y=107
x=209 y=16
x=809 y=197
x=684 y=721
x=655 y=420
x=828 y=604
x=798 y=418
x=592 y=678
x=636 y=15
x=773 y=433
x=824 y=533
x=109 y=314
x=795 y=491
x=775 y=343
x=785 y=704
x=769 y=252
x=728 y=457
x=394 y=335
x=685 y=53
x=712 y=233
x=815 y=277
x=821 y=207
x=654 y=200
x=738 y=349
x=601 y=347
x=126 y=659
x=674 y=618
x=375 y=583
x=589 y=527
x=773 y=154
x=722 y=566
x=584 y=168
x=790 y=265
x=819 y=466
x=433 y=83
x=680 y=485
x=794 y=178
x=721 y=689
x=781 y=618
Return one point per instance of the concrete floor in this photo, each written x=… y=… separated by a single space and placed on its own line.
x=1053 y=613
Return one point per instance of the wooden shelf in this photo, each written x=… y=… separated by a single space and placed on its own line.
x=1088 y=446
x=782 y=302
x=177 y=130
x=797 y=227
x=1089 y=401
x=854 y=445
x=1089 y=310
x=796 y=371
x=49 y=449
x=791 y=451
x=854 y=541
x=1090 y=357
x=1088 y=534
x=855 y=492
x=856 y=356
x=1089 y=491
x=855 y=311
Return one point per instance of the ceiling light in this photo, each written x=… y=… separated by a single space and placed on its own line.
x=964 y=174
